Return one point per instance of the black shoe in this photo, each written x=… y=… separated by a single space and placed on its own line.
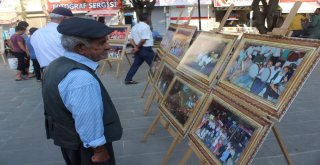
x=130 y=82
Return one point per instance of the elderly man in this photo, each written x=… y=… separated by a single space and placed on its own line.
x=46 y=41
x=79 y=114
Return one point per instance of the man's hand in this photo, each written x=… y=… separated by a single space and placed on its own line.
x=135 y=49
x=100 y=154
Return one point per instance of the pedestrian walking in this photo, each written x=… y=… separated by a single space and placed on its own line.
x=142 y=42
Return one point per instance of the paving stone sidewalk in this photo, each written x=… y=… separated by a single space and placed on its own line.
x=23 y=142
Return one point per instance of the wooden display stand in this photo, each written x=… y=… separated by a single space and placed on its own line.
x=118 y=61
x=178 y=19
x=284 y=28
x=277 y=31
x=2 y=48
x=192 y=149
x=176 y=136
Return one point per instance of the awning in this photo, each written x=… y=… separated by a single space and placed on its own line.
x=99 y=13
x=8 y=17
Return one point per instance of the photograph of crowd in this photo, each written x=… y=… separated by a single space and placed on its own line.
x=264 y=70
x=165 y=78
x=224 y=134
x=181 y=101
x=115 y=52
x=118 y=33
x=154 y=65
x=165 y=43
x=204 y=54
x=181 y=41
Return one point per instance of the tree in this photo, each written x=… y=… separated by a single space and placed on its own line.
x=266 y=14
x=143 y=6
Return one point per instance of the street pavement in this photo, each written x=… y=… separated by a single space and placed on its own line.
x=23 y=142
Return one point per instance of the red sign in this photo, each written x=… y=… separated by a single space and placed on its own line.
x=84 y=5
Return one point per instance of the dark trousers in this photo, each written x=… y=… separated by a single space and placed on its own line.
x=144 y=54
x=36 y=68
x=83 y=156
x=22 y=60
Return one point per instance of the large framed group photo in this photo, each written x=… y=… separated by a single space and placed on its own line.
x=165 y=43
x=180 y=41
x=226 y=133
x=267 y=72
x=181 y=103
x=206 y=55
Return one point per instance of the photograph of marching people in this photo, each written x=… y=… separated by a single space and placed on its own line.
x=165 y=43
x=116 y=51
x=265 y=70
x=181 y=103
x=181 y=40
x=227 y=135
x=165 y=78
x=202 y=58
x=119 y=33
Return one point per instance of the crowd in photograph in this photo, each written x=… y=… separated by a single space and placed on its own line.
x=224 y=134
x=265 y=70
x=181 y=101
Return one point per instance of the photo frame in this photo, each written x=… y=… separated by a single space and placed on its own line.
x=180 y=41
x=165 y=43
x=181 y=103
x=266 y=72
x=156 y=63
x=226 y=133
x=119 y=33
x=206 y=56
x=116 y=52
x=164 y=78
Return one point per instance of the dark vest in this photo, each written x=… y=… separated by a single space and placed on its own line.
x=60 y=125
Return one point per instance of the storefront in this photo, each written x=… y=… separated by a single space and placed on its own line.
x=173 y=8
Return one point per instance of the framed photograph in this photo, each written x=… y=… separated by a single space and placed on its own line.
x=267 y=72
x=206 y=56
x=180 y=41
x=164 y=79
x=226 y=133
x=164 y=45
x=155 y=66
x=119 y=33
x=181 y=104
x=115 y=53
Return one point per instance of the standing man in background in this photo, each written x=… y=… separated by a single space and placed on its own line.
x=315 y=25
x=142 y=42
x=46 y=41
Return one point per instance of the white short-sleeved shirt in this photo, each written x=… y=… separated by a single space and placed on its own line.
x=47 y=44
x=142 y=31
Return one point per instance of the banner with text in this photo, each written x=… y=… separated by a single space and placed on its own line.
x=226 y=3
x=181 y=2
x=84 y=5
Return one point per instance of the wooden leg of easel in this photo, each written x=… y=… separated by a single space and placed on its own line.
x=152 y=126
x=148 y=104
x=3 y=58
x=170 y=150
x=109 y=63
x=283 y=149
x=103 y=67
x=186 y=157
x=145 y=88
x=118 y=69
x=128 y=59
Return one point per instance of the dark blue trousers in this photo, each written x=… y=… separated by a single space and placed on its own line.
x=144 y=54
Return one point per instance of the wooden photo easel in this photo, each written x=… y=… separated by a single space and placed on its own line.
x=178 y=19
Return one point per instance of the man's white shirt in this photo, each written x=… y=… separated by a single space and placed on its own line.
x=47 y=44
x=142 y=31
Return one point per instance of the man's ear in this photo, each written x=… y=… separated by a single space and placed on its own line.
x=80 y=48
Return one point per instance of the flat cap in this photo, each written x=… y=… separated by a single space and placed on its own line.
x=62 y=11
x=83 y=28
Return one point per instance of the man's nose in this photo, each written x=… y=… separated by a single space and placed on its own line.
x=107 y=46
